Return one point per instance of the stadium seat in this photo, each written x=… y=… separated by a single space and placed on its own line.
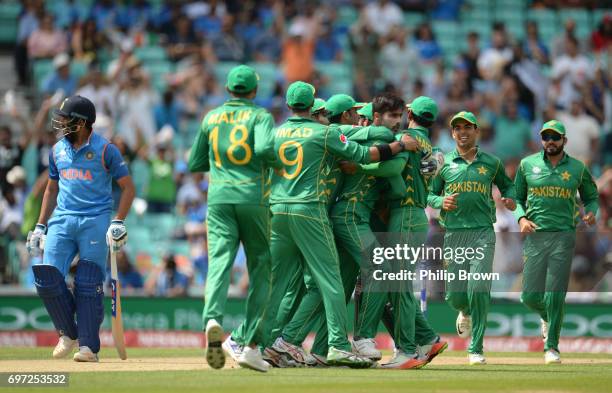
x=413 y=19
x=9 y=21
x=445 y=28
x=542 y=16
x=150 y=53
x=347 y=16
x=268 y=74
x=40 y=69
x=333 y=69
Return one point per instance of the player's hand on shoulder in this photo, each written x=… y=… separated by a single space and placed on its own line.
x=410 y=143
x=35 y=242
x=589 y=218
x=116 y=236
x=526 y=225
x=348 y=167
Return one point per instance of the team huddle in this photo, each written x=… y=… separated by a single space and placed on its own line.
x=306 y=198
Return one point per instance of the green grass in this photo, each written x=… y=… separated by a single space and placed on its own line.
x=440 y=378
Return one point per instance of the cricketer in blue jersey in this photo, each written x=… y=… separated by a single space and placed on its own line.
x=82 y=166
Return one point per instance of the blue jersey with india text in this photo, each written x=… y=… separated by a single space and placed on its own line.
x=85 y=175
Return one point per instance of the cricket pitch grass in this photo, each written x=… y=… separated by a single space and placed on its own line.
x=185 y=370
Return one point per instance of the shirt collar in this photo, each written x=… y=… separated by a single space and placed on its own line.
x=301 y=119
x=421 y=128
x=455 y=154
x=239 y=101
x=563 y=160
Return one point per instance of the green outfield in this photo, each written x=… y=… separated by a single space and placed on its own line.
x=180 y=370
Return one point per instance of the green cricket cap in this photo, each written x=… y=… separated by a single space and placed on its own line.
x=465 y=115
x=554 y=125
x=242 y=79
x=424 y=107
x=366 y=111
x=300 y=95
x=339 y=103
x=318 y=105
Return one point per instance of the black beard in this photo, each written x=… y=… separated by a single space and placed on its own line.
x=72 y=137
x=553 y=150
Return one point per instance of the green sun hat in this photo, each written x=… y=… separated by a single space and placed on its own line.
x=464 y=115
x=300 y=95
x=424 y=107
x=242 y=79
x=339 y=103
x=554 y=125
x=366 y=111
x=319 y=104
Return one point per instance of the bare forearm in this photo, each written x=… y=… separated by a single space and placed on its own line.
x=125 y=203
x=375 y=156
x=48 y=205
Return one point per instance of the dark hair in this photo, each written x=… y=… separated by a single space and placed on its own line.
x=242 y=95
x=335 y=119
x=422 y=121
x=572 y=39
x=387 y=102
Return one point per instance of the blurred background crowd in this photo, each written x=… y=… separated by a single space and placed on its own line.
x=154 y=68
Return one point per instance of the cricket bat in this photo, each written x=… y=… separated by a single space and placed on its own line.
x=117 y=323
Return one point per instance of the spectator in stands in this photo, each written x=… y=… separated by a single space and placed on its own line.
x=570 y=71
x=87 y=41
x=28 y=23
x=135 y=15
x=266 y=45
x=166 y=280
x=297 y=55
x=582 y=132
x=167 y=112
x=61 y=78
x=327 y=47
x=382 y=15
x=512 y=136
x=227 y=44
x=533 y=47
x=182 y=41
x=135 y=103
x=394 y=57
x=105 y=13
x=447 y=9
x=601 y=39
x=529 y=74
x=99 y=91
x=161 y=190
x=69 y=12
x=426 y=45
x=470 y=58
x=307 y=20
x=492 y=60
x=365 y=44
x=559 y=43
x=10 y=153
x=130 y=279
x=47 y=41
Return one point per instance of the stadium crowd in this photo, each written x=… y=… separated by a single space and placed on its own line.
x=154 y=68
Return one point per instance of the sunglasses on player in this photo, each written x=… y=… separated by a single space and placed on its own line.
x=551 y=136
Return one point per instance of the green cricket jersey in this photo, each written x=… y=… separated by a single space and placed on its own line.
x=307 y=151
x=473 y=182
x=362 y=187
x=234 y=145
x=546 y=195
x=336 y=177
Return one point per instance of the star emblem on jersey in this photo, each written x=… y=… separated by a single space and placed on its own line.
x=482 y=170
x=536 y=169
x=565 y=176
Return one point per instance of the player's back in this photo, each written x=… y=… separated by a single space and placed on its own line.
x=416 y=184
x=237 y=174
x=300 y=146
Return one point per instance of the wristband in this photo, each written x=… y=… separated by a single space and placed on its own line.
x=384 y=151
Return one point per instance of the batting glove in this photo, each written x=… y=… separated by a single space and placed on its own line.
x=116 y=236
x=35 y=242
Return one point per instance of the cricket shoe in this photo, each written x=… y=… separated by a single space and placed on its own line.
x=552 y=357
x=64 y=346
x=321 y=360
x=405 y=361
x=280 y=360
x=544 y=329
x=340 y=358
x=232 y=348
x=214 y=340
x=366 y=347
x=464 y=325
x=476 y=359
x=251 y=358
x=85 y=355
x=430 y=351
x=296 y=353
